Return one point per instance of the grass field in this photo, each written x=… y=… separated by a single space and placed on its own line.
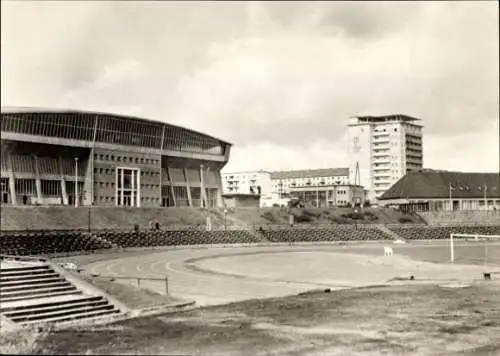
x=474 y=253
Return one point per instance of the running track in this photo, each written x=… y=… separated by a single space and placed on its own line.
x=209 y=286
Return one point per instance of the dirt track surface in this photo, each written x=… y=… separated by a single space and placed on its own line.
x=220 y=275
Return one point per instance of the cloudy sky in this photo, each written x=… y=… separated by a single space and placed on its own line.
x=278 y=80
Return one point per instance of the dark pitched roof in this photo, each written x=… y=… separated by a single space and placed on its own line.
x=436 y=184
x=310 y=173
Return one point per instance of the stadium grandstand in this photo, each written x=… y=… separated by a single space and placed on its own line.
x=429 y=190
x=70 y=157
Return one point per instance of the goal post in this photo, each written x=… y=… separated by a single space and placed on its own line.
x=474 y=241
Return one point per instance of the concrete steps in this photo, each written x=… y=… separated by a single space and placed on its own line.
x=21 y=272
x=67 y=312
x=391 y=233
x=39 y=294
x=35 y=286
x=23 y=282
x=21 y=278
x=47 y=303
x=74 y=317
x=35 y=293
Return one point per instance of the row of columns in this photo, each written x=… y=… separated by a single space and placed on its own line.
x=12 y=184
x=64 y=193
x=445 y=205
x=203 y=188
x=38 y=183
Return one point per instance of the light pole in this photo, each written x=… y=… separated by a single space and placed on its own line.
x=225 y=219
x=202 y=187
x=485 y=199
x=90 y=217
x=76 y=182
x=91 y=204
x=451 y=201
x=206 y=190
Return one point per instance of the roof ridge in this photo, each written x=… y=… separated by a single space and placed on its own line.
x=436 y=184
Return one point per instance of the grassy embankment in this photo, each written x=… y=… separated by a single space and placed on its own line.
x=397 y=320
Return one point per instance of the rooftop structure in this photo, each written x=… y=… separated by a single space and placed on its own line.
x=383 y=118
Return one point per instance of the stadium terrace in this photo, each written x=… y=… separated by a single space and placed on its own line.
x=432 y=190
x=70 y=157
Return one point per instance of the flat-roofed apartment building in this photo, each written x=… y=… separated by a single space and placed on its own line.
x=247 y=182
x=318 y=187
x=382 y=149
x=284 y=181
x=66 y=157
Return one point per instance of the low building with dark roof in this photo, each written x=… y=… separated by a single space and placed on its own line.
x=433 y=190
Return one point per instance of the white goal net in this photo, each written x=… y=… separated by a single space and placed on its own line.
x=476 y=249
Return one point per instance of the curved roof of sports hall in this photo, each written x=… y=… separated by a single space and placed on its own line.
x=107 y=122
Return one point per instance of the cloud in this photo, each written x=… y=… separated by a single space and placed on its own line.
x=76 y=42
x=292 y=78
x=473 y=151
x=369 y=20
x=279 y=76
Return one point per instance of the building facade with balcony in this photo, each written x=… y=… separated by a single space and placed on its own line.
x=249 y=182
x=284 y=182
x=382 y=149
